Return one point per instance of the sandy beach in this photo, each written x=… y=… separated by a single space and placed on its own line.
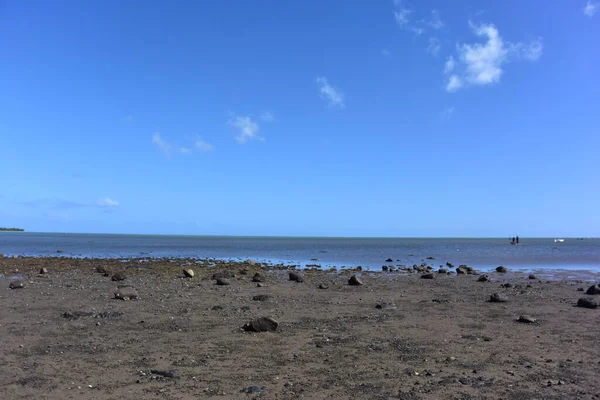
x=66 y=336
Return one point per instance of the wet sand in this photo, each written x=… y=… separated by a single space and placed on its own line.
x=65 y=336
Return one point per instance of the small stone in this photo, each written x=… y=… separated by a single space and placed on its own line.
x=254 y=389
x=43 y=271
x=483 y=278
x=101 y=269
x=258 y=277
x=527 y=319
x=261 y=297
x=501 y=269
x=323 y=286
x=442 y=271
x=223 y=274
x=126 y=293
x=385 y=306
x=354 y=281
x=532 y=276
x=427 y=276
x=17 y=284
x=188 y=272
x=594 y=289
x=587 y=303
x=580 y=289
x=461 y=269
x=260 y=284
x=507 y=285
x=385 y=268
x=262 y=324
x=498 y=298
x=119 y=276
x=164 y=373
x=223 y=282
x=296 y=277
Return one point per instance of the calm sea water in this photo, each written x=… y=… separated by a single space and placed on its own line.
x=370 y=253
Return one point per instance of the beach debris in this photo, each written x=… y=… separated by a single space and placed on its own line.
x=498 y=298
x=119 y=276
x=427 y=276
x=223 y=274
x=594 y=289
x=18 y=284
x=501 y=269
x=126 y=293
x=483 y=278
x=587 y=303
x=258 y=277
x=261 y=297
x=188 y=272
x=43 y=271
x=296 y=276
x=254 y=389
x=323 y=286
x=385 y=306
x=223 y=282
x=354 y=281
x=532 y=276
x=526 y=319
x=262 y=324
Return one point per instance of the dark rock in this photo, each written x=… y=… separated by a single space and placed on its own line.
x=449 y=265
x=262 y=324
x=73 y=315
x=109 y=314
x=43 y=271
x=507 y=285
x=461 y=270
x=580 y=289
x=501 y=269
x=217 y=308
x=323 y=286
x=165 y=374
x=223 y=274
x=386 y=306
x=498 y=298
x=389 y=260
x=101 y=269
x=126 y=293
x=119 y=276
x=526 y=319
x=442 y=271
x=594 y=289
x=254 y=389
x=427 y=276
x=223 y=282
x=261 y=297
x=354 y=281
x=471 y=271
x=483 y=278
x=17 y=284
x=533 y=277
x=296 y=276
x=260 y=284
x=587 y=303
x=385 y=268
x=431 y=258
x=258 y=277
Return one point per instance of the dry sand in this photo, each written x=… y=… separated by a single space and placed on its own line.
x=65 y=336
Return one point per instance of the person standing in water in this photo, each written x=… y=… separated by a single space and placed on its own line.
x=517 y=240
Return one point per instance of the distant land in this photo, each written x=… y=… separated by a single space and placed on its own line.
x=11 y=230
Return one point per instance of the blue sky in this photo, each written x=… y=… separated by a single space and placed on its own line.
x=334 y=118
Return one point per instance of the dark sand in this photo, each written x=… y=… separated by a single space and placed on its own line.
x=443 y=341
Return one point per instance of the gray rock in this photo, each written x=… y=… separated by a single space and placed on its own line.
x=526 y=319
x=223 y=274
x=254 y=389
x=44 y=271
x=119 y=276
x=385 y=268
x=126 y=293
x=323 y=286
x=385 y=306
x=296 y=276
x=354 y=281
x=594 y=289
x=586 y=302
x=501 y=269
x=461 y=269
x=483 y=278
x=261 y=297
x=427 y=276
x=101 y=269
x=262 y=324
x=164 y=373
x=532 y=276
x=223 y=282
x=258 y=277
x=498 y=298
x=442 y=271
x=188 y=272
x=19 y=284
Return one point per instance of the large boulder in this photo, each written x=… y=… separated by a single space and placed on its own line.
x=501 y=269
x=594 y=289
x=587 y=302
x=354 y=281
x=296 y=276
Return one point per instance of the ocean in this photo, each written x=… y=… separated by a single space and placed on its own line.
x=370 y=253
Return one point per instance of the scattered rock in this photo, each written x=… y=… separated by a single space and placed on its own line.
x=262 y=324
x=354 y=281
x=258 y=277
x=19 y=284
x=389 y=260
x=43 y=271
x=587 y=303
x=223 y=274
x=296 y=276
x=580 y=289
x=532 y=276
x=442 y=271
x=73 y=315
x=101 y=269
x=526 y=319
x=449 y=265
x=483 y=278
x=126 y=293
x=427 y=276
x=260 y=284
x=223 y=282
x=385 y=306
x=165 y=374
x=594 y=289
x=385 y=268
x=501 y=269
x=431 y=258
x=59 y=251
x=188 y=272
x=461 y=269
x=498 y=298
x=254 y=389
x=217 y=308
x=119 y=276
x=323 y=286
x=507 y=285
x=261 y=297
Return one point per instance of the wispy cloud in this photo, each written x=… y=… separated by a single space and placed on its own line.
x=436 y=21
x=402 y=16
x=482 y=63
x=386 y=53
x=434 y=46
x=591 y=8
x=162 y=145
x=185 y=150
x=333 y=95
x=248 y=129
x=203 y=146
x=62 y=204
x=267 y=116
x=106 y=202
x=447 y=112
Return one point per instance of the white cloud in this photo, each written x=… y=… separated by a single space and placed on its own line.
x=436 y=21
x=106 y=202
x=162 y=145
x=449 y=65
x=447 y=112
x=247 y=127
x=185 y=150
x=386 y=53
x=591 y=8
x=267 y=116
x=402 y=16
x=434 y=46
x=204 y=146
x=454 y=83
x=531 y=52
x=333 y=95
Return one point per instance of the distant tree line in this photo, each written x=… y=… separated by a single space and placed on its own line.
x=11 y=229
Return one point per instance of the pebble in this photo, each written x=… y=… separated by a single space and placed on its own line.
x=354 y=281
x=17 y=284
x=126 y=293
x=261 y=297
x=498 y=298
x=254 y=389
x=43 y=271
x=223 y=282
x=258 y=277
x=527 y=319
x=533 y=276
x=324 y=286
x=119 y=276
x=262 y=324
x=483 y=278
x=385 y=306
